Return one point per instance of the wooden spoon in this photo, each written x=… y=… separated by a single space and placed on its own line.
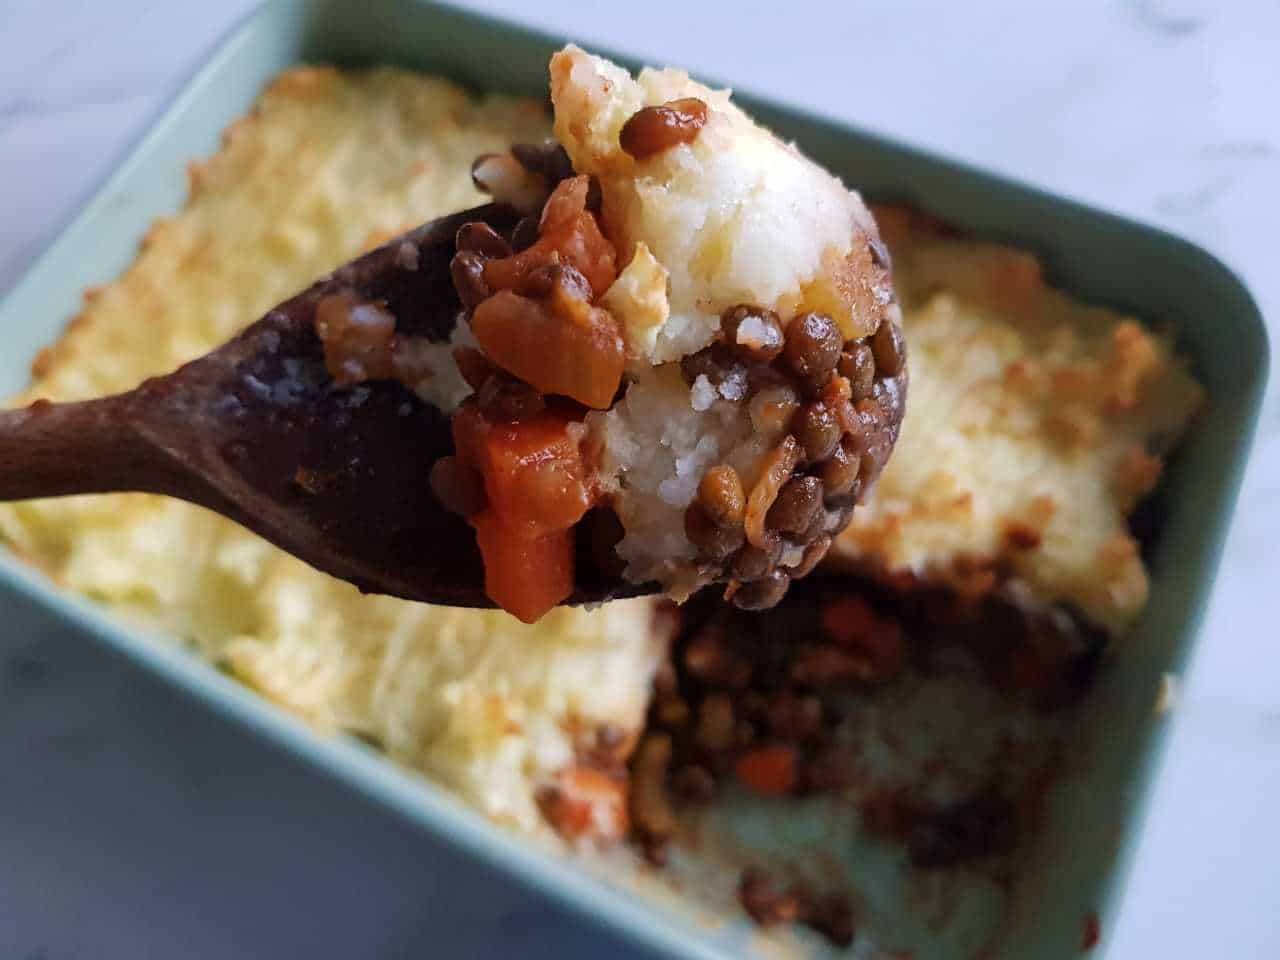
x=257 y=432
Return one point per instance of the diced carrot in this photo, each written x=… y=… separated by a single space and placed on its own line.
x=525 y=575
x=579 y=356
x=537 y=487
x=769 y=770
x=533 y=470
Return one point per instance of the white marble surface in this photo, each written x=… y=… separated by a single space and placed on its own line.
x=1161 y=109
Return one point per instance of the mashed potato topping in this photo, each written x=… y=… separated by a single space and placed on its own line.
x=1035 y=426
x=327 y=164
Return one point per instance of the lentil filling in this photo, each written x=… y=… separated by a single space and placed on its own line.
x=756 y=702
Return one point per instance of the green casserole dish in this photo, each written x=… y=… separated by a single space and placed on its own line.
x=481 y=870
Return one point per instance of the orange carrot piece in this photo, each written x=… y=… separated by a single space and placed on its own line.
x=524 y=575
x=581 y=357
x=768 y=770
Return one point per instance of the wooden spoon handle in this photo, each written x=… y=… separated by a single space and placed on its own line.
x=56 y=449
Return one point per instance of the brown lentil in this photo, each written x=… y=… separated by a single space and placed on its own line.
x=505 y=400
x=818 y=431
x=483 y=239
x=665 y=682
x=839 y=472
x=763 y=593
x=653 y=130
x=525 y=234
x=752 y=563
x=816 y=528
x=711 y=539
x=672 y=712
x=694 y=783
x=716 y=723
x=858 y=365
x=458 y=486
x=547 y=159
x=812 y=348
x=765 y=344
x=889 y=349
x=467 y=270
x=772 y=409
x=650 y=808
x=656 y=850
x=721 y=495
x=798 y=503
x=709 y=657
x=558 y=282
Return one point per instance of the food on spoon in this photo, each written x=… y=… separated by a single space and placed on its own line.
x=693 y=328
